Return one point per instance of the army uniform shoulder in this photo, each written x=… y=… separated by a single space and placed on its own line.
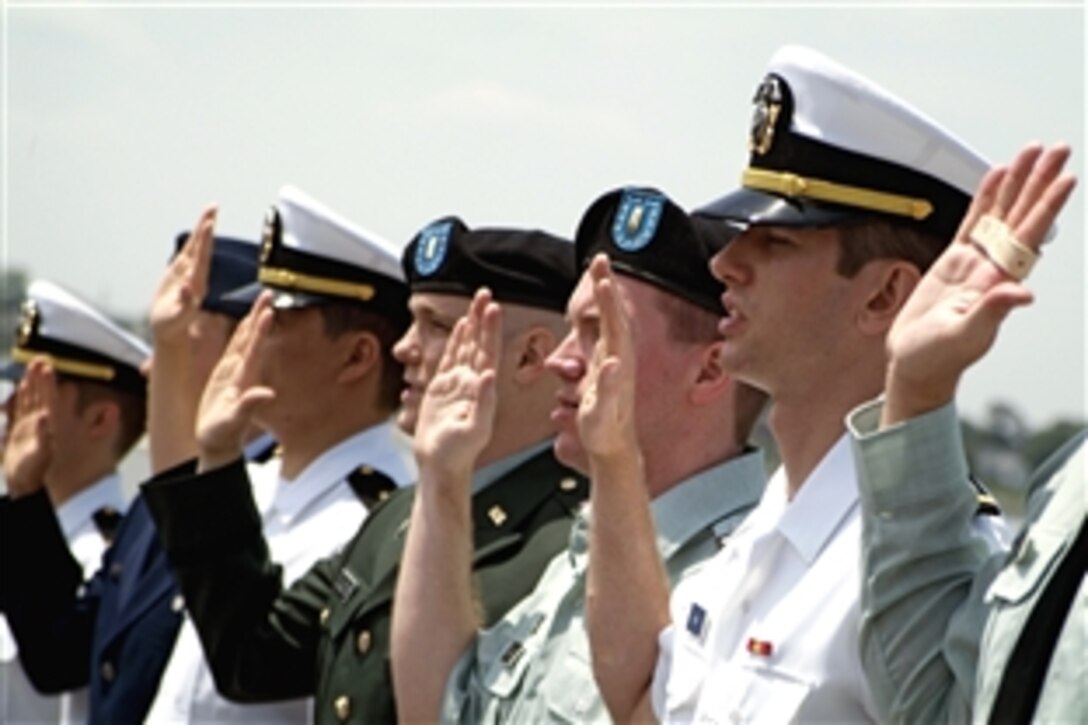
x=371 y=486
x=512 y=500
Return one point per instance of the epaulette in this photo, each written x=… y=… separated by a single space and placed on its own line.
x=106 y=520
x=987 y=504
x=371 y=486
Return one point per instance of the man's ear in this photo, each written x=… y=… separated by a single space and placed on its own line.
x=361 y=353
x=711 y=381
x=534 y=347
x=101 y=419
x=886 y=284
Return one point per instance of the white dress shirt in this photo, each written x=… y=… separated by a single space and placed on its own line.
x=305 y=520
x=19 y=701
x=767 y=631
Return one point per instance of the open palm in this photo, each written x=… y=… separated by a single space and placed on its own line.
x=954 y=313
x=457 y=412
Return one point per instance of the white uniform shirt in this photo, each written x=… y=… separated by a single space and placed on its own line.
x=19 y=701
x=767 y=631
x=305 y=520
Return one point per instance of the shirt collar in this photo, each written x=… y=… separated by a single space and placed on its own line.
x=372 y=446
x=258 y=446
x=827 y=496
x=494 y=471
x=699 y=502
x=79 y=509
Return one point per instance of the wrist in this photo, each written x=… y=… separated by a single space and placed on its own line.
x=212 y=457
x=905 y=399
x=20 y=486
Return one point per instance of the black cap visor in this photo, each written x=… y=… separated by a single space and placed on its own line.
x=281 y=299
x=749 y=207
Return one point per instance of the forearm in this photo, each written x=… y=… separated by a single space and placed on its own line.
x=171 y=408
x=627 y=598
x=922 y=615
x=434 y=613
x=259 y=640
x=51 y=622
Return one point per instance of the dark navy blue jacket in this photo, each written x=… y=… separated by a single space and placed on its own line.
x=113 y=633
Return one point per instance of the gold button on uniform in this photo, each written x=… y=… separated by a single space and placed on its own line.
x=568 y=484
x=342 y=705
x=363 y=642
x=323 y=618
x=108 y=672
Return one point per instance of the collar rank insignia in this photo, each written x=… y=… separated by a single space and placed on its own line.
x=271 y=234
x=28 y=322
x=431 y=250
x=637 y=219
x=768 y=100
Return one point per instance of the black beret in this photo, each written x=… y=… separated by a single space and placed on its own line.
x=647 y=236
x=234 y=265
x=525 y=267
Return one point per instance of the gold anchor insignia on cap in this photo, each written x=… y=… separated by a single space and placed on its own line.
x=768 y=100
x=28 y=322
x=270 y=233
x=497 y=515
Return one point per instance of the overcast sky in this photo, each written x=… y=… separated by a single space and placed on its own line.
x=121 y=121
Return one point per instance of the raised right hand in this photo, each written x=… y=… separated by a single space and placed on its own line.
x=234 y=391
x=458 y=407
x=28 y=451
x=953 y=315
x=184 y=284
x=606 y=411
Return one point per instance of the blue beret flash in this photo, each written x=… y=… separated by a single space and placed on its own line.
x=432 y=247
x=637 y=219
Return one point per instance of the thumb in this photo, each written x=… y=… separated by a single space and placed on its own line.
x=252 y=398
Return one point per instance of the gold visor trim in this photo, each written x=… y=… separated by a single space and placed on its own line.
x=65 y=365
x=792 y=185
x=287 y=279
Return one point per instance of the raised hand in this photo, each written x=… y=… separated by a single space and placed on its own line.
x=954 y=313
x=458 y=407
x=606 y=411
x=184 y=284
x=28 y=451
x=233 y=391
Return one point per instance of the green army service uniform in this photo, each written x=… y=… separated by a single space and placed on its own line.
x=534 y=665
x=328 y=635
x=942 y=617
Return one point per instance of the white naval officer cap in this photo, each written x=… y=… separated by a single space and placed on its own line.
x=310 y=255
x=828 y=145
x=78 y=340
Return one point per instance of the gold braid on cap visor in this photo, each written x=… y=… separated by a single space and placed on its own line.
x=792 y=185
x=287 y=279
x=65 y=364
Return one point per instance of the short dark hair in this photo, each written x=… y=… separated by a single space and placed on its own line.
x=342 y=317
x=688 y=322
x=870 y=238
x=132 y=408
